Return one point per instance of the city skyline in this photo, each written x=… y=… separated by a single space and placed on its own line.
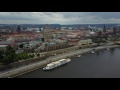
x=59 y=17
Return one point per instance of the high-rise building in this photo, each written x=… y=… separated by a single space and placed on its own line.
x=104 y=29
x=47 y=34
x=114 y=30
x=39 y=28
x=18 y=28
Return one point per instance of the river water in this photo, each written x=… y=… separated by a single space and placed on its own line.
x=102 y=64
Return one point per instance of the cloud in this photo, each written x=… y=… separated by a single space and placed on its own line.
x=59 y=17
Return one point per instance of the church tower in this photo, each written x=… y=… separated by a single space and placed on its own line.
x=47 y=34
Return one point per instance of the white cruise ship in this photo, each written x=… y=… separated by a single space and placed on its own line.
x=56 y=64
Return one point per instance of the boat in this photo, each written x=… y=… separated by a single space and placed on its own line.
x=56 y=64
x=92 y=52
x=108 y=49
x=79 y=56
x=8 y=77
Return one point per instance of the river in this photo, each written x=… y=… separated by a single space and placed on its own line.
x=102 y=64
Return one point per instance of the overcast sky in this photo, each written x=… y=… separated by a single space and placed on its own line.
x=59 y=17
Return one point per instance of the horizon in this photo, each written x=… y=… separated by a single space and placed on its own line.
x=61 y=24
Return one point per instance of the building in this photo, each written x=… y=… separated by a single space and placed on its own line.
x=47 y=35
x=85 y=42
x=18 y=28
x=6 y=43
x=3 y=47
x=104 y=29
x=2 y=38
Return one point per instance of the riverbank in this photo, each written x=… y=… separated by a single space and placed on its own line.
x=31 y=67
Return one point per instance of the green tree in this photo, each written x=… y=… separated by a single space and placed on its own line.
x=24 y=55
x=16 y=58
x=30 y=56
x=5 y=60
x=21 y=45
x=38 y=54
x=9 y=55
x=8 y=59
x=1 y=55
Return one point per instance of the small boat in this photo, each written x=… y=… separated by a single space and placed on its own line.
x=56 y=64
x=79 y=56
x=8 y=77
x=92 y=52
x=108 y=49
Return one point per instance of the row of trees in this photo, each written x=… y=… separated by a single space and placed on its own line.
x=8 y=56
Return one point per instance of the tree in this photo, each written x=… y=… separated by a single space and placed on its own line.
x=9 y=55
x=5 y=60
x=16 y=58
x=8 y=59
x=94 y=38
x=9 y=47
x=1 y=55
x=38 y=54
x=100 y=34
x=52 y=37
x=31 y=56
x=21 y=45
x=100 y=38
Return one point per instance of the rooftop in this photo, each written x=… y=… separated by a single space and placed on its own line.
x=5 y=42
x=1 y=46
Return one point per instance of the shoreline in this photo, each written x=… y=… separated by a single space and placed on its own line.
x=37 y=65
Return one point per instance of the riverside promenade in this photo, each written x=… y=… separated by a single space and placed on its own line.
x=33 y=66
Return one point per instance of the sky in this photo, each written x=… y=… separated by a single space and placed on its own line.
x=59 y=17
